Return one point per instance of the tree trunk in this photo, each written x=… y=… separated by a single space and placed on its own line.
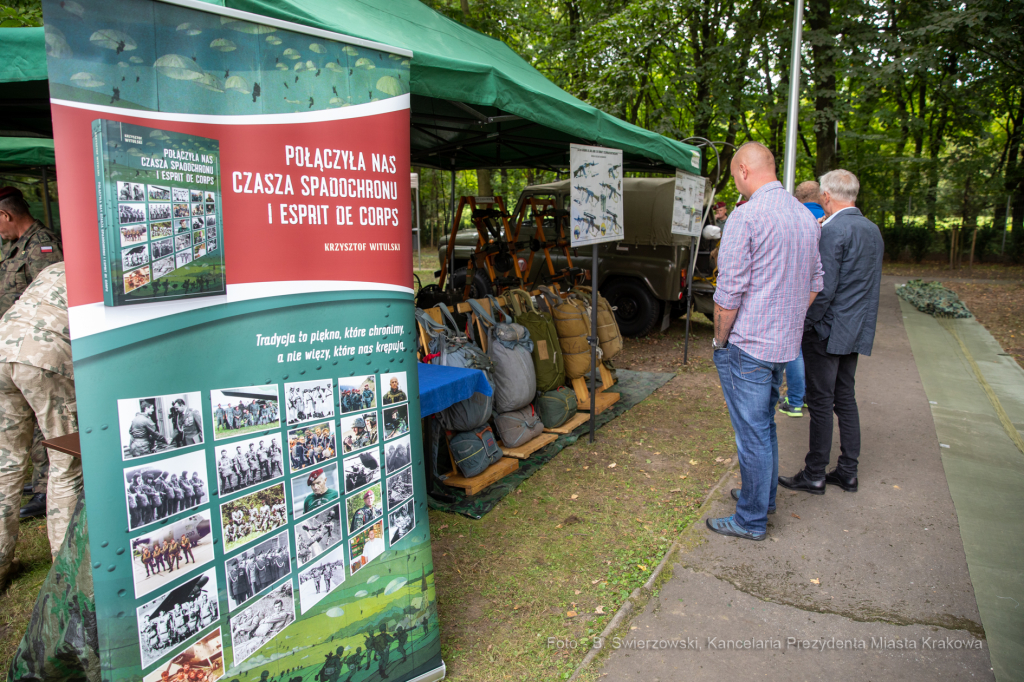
x=823 y=73
x=483 y=183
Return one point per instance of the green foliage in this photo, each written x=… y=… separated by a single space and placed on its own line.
x=21 y=13
x=912 y=238
x=921 y=99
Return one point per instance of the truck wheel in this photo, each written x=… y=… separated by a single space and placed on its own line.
x=481 y=285
x=636 y=308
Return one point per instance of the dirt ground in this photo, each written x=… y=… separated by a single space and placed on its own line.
x=560 y=555
x=1000 y=309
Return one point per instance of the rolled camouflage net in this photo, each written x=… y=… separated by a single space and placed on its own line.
x=932 y=298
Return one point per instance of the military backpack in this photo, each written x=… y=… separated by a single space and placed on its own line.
x=510 y=348
x=547 y=355
x=518 y=426
x=607 y=327
x=474 y=450
x=451 y=348
x=572 y=322
x=556 y=407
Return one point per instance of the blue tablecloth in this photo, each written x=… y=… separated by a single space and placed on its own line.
x=441 y=387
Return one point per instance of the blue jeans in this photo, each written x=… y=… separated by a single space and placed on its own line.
x=795 y=384
x=751 y=389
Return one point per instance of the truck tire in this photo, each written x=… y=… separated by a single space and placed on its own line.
x=481 y=285
x=636 y=309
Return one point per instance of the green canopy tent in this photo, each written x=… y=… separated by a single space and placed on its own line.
x=475 y=102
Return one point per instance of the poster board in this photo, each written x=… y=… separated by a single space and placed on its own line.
x=688 y=204
x=596 y=195
x=246 y=375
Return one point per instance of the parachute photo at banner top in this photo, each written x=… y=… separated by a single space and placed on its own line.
x=236 y=215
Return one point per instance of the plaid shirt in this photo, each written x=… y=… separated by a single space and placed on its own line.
x=768 y=264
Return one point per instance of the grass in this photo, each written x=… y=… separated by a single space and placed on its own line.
x=556 y=558
x=19 y=596
x=223 y=434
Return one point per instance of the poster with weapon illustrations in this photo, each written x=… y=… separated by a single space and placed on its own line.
x=596 y=193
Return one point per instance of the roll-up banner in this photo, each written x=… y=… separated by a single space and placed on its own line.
x=236 y=223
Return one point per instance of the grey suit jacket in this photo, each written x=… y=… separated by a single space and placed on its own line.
x=846 y=310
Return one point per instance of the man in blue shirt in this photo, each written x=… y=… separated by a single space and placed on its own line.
x=792 y=405
x=807 y=193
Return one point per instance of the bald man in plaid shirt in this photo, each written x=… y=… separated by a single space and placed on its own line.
x=769 y=271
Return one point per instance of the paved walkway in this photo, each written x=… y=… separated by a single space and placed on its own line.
x=884 y=568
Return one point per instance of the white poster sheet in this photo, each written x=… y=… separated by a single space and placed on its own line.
x=596 y=193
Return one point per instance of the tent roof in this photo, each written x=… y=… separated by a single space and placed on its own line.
x=26 y=151
x=475 y=102
x=515 y=116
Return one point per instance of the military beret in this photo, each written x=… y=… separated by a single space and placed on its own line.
x=313 y=476
x=7 y=192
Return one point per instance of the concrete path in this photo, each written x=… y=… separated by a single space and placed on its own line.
x=883 y=568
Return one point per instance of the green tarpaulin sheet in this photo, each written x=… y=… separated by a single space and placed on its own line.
x=26 y=151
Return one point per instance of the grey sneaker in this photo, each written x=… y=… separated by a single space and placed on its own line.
x=790 y=410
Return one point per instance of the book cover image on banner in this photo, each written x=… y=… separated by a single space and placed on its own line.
x=237 y=235
x=147 y=270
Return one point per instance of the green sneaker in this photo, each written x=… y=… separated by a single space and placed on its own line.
x=790 y=410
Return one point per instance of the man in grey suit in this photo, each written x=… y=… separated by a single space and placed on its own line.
x=839 y=328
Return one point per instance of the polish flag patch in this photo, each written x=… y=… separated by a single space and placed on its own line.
x=45 y=249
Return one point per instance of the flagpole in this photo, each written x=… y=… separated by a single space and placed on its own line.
x=789 y=165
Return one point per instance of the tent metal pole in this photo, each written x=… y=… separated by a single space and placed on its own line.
x=593 y=341
x=451 y=232
x=1006 y=224
x=792 y=118
x=46 y=199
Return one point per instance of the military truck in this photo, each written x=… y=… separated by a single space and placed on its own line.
x=643 y=276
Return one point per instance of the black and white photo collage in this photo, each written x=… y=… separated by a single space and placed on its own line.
x=270 y=456
x=163 y=228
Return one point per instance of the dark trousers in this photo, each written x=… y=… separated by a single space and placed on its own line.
x=830 y=389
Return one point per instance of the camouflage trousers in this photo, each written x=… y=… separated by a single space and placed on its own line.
x=40 y=461
x=27 y=392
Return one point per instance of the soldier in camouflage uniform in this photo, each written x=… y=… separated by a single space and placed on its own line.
x=37 y=378
x=29 y=246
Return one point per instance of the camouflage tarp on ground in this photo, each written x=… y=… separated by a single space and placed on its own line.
x=632 y=386
x=932 y=298
x=61 y=643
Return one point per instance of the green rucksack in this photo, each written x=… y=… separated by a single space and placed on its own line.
x=547 y=354
x=556 y=407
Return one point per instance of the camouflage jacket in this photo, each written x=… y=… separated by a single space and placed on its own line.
x=24 y=259
x=35 y=329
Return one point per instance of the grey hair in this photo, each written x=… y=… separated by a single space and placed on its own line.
x=841 y=184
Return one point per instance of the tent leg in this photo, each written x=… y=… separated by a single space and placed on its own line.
x=689 y=298
x=451 y=233
x=593 y=342
x=46 y=199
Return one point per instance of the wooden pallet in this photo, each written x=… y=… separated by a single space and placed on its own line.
x=494 y=473
x=578 y=420
x=525 y=450
x=602 y=402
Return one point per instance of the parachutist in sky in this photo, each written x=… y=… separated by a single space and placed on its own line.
x=136 y=79
x=117 y=95
x=122 y=79
x=120 y=47
x=334 y=88
x=226 y=73
x=296 y=79
x=194 y=59
x=317 y=74
x=350 y=72
x=286 y=84
x=310 y=103
x=255 y=91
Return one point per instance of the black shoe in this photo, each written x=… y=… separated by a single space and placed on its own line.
x=735 y=492
x=35 y=507
x=847 y=483
x=802 y=483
